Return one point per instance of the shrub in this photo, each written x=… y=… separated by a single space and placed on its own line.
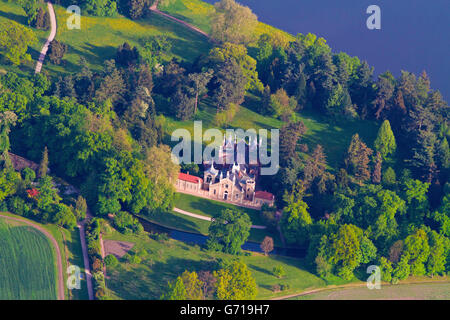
x=142 y=253
x=285 y=287
x=126 y=224
x=276 y=288
x=111 y=260
x=388 y=178
x=56 y=51
x=160 y=237
x=3 y=206
x=278 y=272
x=97 y=265
x=132 y=258
x=17 y=206
x=28 y=175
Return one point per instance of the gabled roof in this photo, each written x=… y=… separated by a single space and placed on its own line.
x=187 y=177
x=264 y=195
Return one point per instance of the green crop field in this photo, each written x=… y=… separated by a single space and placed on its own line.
x=27 y=267
x=420 y=291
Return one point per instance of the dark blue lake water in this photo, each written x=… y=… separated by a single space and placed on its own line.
x=414 y=35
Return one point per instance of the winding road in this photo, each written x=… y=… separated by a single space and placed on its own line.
x=51 y=37
x=61 y=294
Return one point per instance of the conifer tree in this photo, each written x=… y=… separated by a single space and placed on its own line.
x=385 y=143
x=7 y=119
x=43 y=166
x=315 y=166
x=376 y=175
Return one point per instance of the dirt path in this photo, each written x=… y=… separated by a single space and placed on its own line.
x=61 y=295
x=87 y=268
x=51 y=37
x=206 y=218
x=102 y=250
x=154 y=8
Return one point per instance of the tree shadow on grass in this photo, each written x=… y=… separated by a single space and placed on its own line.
x=191 y=47
x=15 y=17
x=259 y=269
x=170 y=220
x=150 y=280
x=100 y=53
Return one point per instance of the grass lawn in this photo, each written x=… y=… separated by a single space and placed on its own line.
x=27 y=263
x=211 y=208
x=71 y=253
x=169 y=259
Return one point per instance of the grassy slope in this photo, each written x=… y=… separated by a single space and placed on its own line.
x=27 y=264
x=98 y=38
x=72 y=256
x=199 y=14
x=167 y=260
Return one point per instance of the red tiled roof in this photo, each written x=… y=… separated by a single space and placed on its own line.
x=187 y=177
x=264 y=195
